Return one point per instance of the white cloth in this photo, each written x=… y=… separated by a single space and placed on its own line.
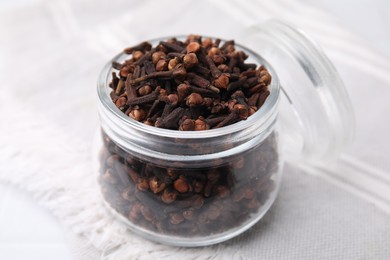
x=51 y=54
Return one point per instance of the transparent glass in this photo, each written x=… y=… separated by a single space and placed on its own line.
x=188 y=188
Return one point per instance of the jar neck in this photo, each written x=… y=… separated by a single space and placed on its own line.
x=176 y=146
x=149 y=142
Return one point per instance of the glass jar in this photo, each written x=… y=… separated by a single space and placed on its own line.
x=198 y=188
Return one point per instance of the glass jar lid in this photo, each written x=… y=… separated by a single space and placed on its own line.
x=315 y=117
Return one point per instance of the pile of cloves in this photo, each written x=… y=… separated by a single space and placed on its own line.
x=188 y=85
x=188 y=201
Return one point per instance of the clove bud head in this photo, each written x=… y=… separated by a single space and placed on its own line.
x=194 y=100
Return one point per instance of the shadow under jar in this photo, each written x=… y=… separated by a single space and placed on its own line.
x=189 y=188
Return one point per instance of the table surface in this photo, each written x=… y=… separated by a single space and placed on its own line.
x=41 y=237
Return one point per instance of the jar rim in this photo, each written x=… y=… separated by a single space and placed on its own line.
x=263 y=114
